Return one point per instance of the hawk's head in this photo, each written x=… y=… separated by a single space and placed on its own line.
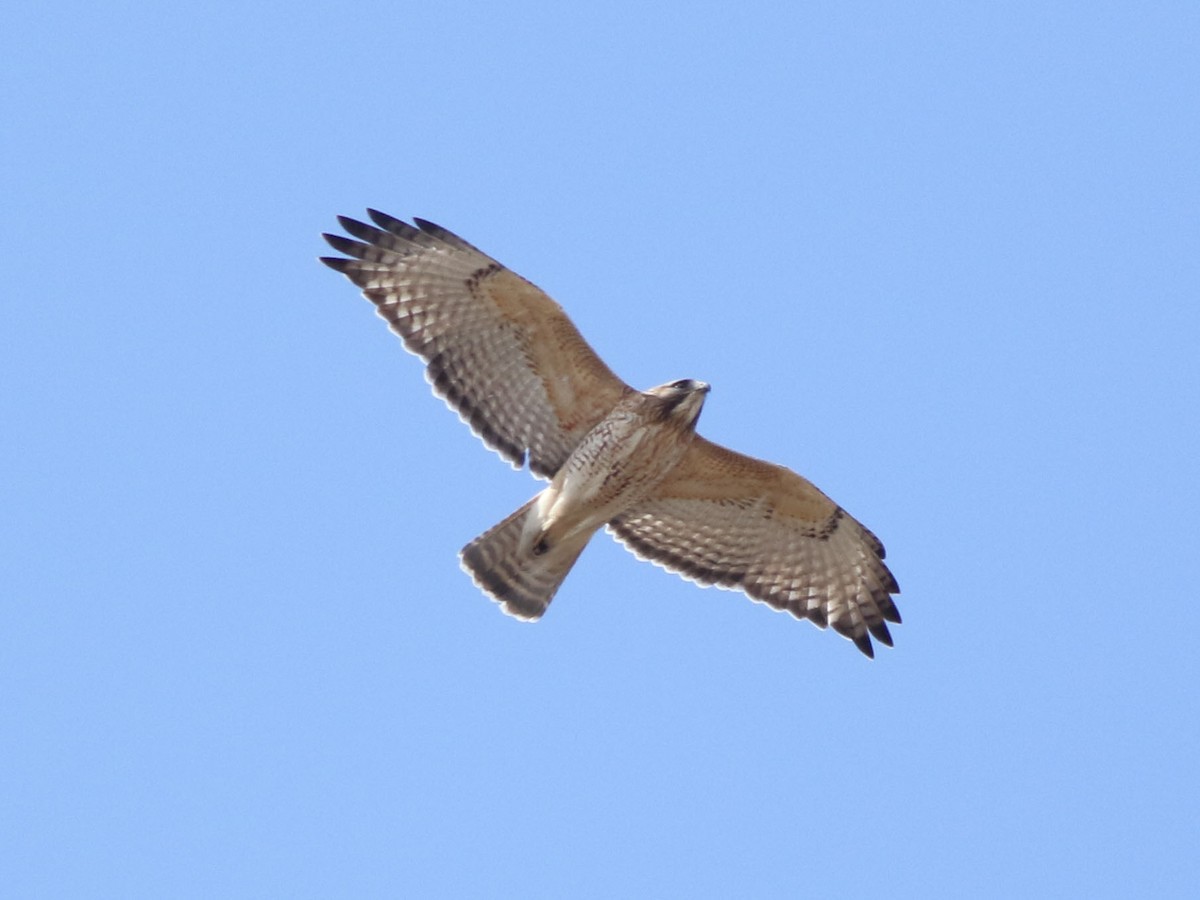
x=680 y=400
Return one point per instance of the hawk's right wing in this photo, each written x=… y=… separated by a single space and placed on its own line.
x=725 y=519
x=497 y=349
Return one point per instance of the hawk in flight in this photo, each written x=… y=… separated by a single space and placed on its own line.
x=505 y=356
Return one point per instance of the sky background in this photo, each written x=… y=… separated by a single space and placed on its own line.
x=941 y=258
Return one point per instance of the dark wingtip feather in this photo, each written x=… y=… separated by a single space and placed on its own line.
x=360 y=230
x=431 y=227
x=863 y=643
x=386 y=222
x=446 y=236
x=344 y=245
x=880 y=632
x=337 y=263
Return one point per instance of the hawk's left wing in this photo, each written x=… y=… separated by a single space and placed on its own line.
x=497 y=349
x=725 y=519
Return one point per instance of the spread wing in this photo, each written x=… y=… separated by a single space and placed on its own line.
x=740 y=523
x=497 y=349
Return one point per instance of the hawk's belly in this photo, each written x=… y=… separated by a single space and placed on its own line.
x=614 y=467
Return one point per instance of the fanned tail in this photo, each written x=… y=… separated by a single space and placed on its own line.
x=502 y=563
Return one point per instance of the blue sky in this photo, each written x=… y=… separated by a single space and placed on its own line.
x=940 y=258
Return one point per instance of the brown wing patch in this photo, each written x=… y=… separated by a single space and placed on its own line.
x=729 y=520
x=580 y=388
x=711 y=472
x=500 y=351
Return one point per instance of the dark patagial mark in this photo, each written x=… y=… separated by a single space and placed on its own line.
x=831 y=525
x=480 y=275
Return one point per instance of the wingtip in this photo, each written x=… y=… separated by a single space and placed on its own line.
x=343 y=244
x=383 y=220
x=863 y=643
x=879 y=631
x=337 y=263
x=348 y=220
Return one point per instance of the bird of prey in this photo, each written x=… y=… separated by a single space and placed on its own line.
x=506 y=358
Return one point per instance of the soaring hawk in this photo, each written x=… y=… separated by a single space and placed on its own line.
x=505 y=356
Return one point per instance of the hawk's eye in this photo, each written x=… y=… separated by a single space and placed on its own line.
x=682 y=385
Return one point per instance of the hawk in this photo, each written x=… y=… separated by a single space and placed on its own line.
x=506 y=358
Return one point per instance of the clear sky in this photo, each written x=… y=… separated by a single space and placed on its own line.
x=941 y=258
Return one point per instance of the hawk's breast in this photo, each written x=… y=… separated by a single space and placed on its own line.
x=615 y=466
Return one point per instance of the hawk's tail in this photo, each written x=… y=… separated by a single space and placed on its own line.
x=506 y=568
